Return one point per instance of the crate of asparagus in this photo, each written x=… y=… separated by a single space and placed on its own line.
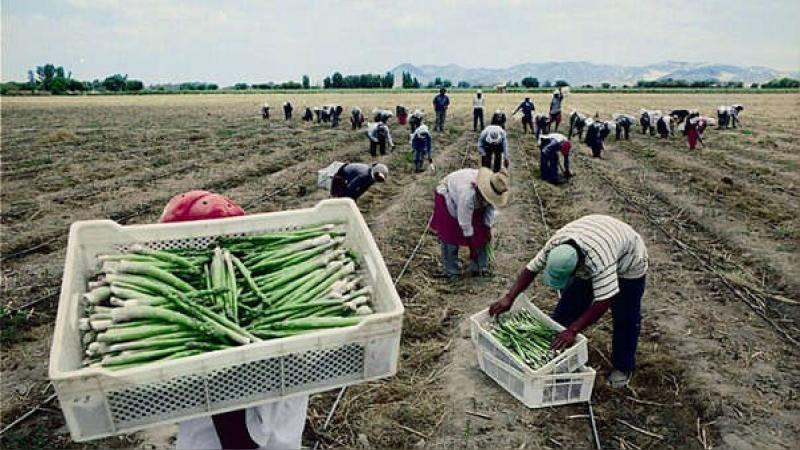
x=520 y=338
x=161 y=323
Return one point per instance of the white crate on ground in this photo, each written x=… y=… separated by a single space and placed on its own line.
x=568 y=361
x=98 y=402
x=540 y=391
x=325 y=176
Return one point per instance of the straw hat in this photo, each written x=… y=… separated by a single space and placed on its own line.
x=495 y=187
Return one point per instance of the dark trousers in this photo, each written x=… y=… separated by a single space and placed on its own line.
x=440 y=118
x=623 y=128
x=493 y=159
x=626 y=313
x=597 y=149
x=477 y=115
x=373 y=147
x=548 y=167
x=527 y=121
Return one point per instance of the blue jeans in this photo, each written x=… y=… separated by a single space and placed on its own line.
x=548 y=167
x=626 y=313
x=451 y=265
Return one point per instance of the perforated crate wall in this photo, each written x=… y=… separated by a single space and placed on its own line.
x=243 y=383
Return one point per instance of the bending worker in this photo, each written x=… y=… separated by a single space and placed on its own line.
x=550 y=145
x=274 y=426
x=354 y=179
x=421 y=143
x=463 y=215
x=597 y=262
x=493 y=147
x=379 y=135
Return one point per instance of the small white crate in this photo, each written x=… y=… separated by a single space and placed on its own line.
x=540 y=391
x=325 y=176
x=568 y=361
x=97 y=402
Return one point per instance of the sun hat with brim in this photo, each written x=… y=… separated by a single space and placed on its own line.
x=495 y=187
x=560 y=266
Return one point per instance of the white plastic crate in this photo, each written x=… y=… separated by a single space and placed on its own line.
x=568 y=361
x=325 y=176
x=540 y=391
x=97 y=402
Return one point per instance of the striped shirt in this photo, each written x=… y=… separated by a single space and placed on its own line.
x=611 y=249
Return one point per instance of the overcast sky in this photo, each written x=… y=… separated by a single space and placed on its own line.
x=260 y=40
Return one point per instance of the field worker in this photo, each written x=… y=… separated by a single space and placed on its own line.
x=421 y=144
x=402 y=114
x=577 y=122
x=265 y=110
x=379 y=135
x=335 y=113
x=695 y=126
x=623 y=122
x=527 y=107
x=596 y=262
x=728 y=115
x=382 y=115
x=499 y=119
x=274 y=425
x=463 y=215
x=555 y=108
x=541 y=123
x=356 y=118
x=354 y=179
x=287 y=110
x=415 y=120
x=308 y=116
x=477 y=110
x=493 y=147
x=597 y=131
x=665 y=126
x=681 y=114
x=648 y=120
x=318 y=114
x=440 y=104
x=550 y=145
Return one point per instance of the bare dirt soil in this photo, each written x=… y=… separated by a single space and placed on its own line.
x=718 y=361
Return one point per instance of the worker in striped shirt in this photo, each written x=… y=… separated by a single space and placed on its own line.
x=596 y=262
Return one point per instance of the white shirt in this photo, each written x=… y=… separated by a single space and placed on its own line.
x=477 y=103
x=372 y=132
x=273 y=426
x=611 y=247
x=460 y=190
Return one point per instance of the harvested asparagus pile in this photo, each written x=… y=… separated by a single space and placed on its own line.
x=148 y=305
x=527 y=337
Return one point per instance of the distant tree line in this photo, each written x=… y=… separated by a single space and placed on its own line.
x=782 y=83
x=362 y=81
x=671 y=83
x=55 y=80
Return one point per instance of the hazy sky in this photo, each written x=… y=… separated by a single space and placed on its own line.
x=261 y=40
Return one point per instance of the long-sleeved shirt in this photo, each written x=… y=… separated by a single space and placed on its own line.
x=441 y=102
x=358 y=177
x=460 y=190
x=611 y=250
x=477 y=102
x=420 y=140
x=372 y=132
x=482 y=144
x=527 y=107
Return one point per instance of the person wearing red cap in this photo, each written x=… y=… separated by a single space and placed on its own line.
x=275 y=425
x=550 y=146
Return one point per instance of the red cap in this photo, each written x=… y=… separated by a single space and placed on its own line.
x=199 y=205
x=566 y=146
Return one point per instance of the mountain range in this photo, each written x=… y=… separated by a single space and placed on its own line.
x=581 y=73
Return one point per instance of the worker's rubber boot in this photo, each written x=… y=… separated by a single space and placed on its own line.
x=618 y=379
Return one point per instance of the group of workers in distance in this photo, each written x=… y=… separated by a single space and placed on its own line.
x=596 y=262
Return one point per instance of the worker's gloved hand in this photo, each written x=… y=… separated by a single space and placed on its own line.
x=506 y=163
x=563 y=340
x=499 y=307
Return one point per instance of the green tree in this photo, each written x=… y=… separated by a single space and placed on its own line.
x=306 y=82
x=241 y=86
x=337 y=80
x=530 y=82
x=116 y=82
x=326 y=82
x=463 y=84
x=561 y=83
x=134 y=85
